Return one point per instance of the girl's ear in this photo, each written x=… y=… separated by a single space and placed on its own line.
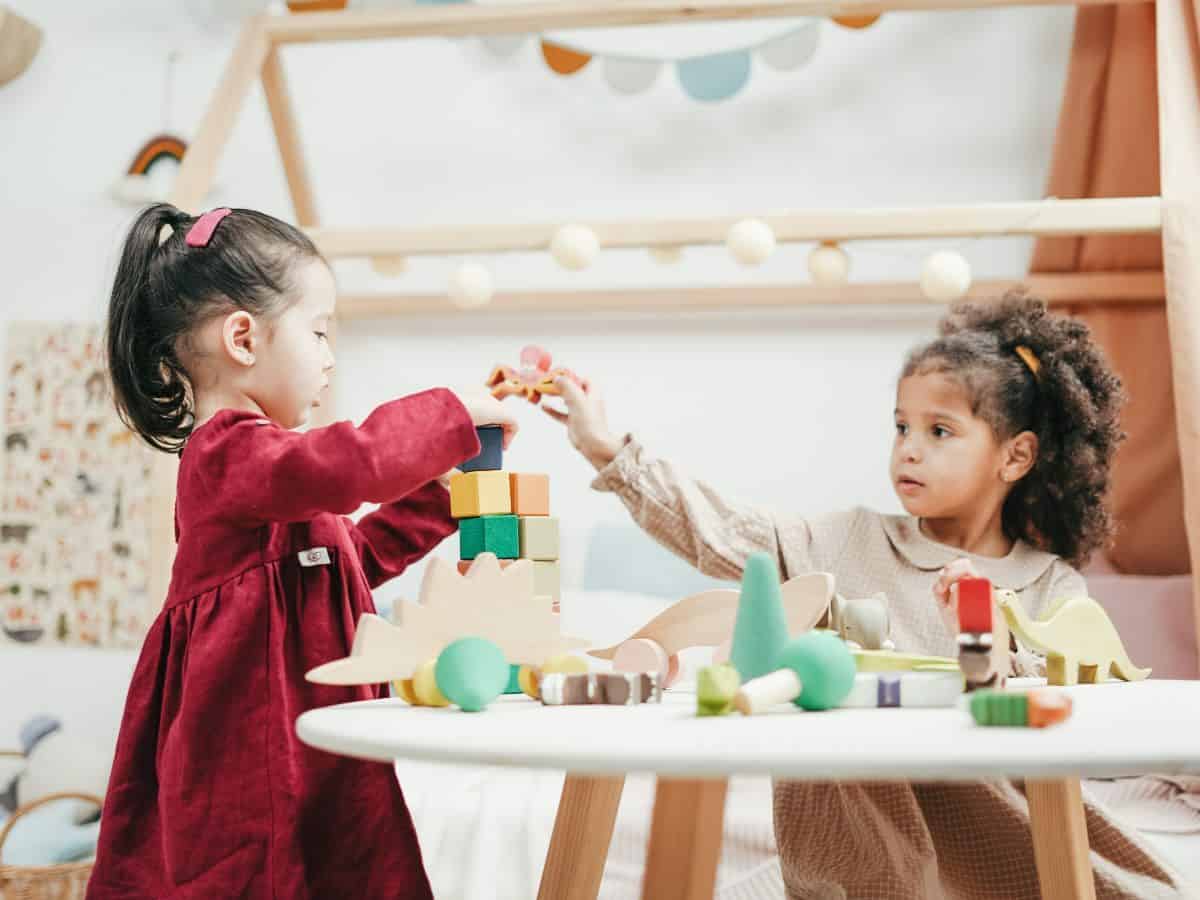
x=239 y=337
x=1020 y=454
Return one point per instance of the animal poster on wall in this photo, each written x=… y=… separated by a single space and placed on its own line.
x=75 y=504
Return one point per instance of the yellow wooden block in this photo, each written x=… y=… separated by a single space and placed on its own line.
x=479 y=494
x=404 y=690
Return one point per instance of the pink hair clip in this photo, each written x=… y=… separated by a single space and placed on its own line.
x=202 y=231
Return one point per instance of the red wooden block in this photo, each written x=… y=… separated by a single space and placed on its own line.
x=974 y=605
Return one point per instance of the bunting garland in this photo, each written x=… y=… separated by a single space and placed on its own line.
x=713 y=60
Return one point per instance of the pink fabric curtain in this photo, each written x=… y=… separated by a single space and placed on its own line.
x=1107 y=145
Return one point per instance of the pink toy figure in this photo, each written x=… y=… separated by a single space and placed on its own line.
x=533 y=380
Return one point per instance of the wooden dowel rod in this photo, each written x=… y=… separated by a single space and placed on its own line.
x=1129 y=215
x=467 y=19
x=1081 y=288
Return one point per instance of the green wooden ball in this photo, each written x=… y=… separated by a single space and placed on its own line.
x=471 y=673
x=825 y=667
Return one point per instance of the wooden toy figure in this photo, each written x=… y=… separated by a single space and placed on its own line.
x=1034 y=709
x=982 y=635
x=1079 y=639
x=533 y=380
x=816 y=672
x=708 y=619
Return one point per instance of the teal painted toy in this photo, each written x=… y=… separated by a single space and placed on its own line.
x=760 y=630
x=489 y=534
x=471 y=673
x=815 y=671
x=514 y=679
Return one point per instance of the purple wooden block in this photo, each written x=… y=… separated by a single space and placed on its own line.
x=889 y=691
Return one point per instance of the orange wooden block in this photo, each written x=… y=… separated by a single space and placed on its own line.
x=464 y=565
x=530 y=494
x=1047 y=708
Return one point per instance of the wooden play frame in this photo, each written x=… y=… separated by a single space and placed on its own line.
x=687 y=823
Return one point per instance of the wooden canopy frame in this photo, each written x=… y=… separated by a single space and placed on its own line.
x=1060 y=837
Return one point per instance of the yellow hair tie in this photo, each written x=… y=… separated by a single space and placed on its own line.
x=1029 y=359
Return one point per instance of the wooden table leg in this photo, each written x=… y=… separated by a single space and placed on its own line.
x=1060 y=841
x=685 y=839
x=583 y=830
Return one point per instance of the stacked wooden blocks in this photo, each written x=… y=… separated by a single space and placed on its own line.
x=506 y=513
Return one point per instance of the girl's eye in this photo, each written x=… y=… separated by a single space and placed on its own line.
x=901 y=428
x=940 y=431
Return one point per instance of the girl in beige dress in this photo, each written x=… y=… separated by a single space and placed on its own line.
x=1006 y=425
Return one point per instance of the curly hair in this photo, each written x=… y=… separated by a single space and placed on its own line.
x=1072 y=403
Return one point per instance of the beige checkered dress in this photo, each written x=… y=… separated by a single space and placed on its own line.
x=885 y=841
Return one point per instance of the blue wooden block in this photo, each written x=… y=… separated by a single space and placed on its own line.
x=491 y=456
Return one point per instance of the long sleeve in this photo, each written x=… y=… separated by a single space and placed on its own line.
x=397 y=534
x=257 y=472
x=689 y=518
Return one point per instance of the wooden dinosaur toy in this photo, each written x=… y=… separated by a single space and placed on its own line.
x=706 y=619
x=1079 y=640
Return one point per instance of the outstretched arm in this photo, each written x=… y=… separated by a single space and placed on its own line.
x=687 y=516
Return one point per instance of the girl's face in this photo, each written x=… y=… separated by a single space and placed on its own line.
x=946 y=462
x=294 y=362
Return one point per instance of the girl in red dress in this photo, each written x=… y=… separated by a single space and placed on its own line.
x=217 y=350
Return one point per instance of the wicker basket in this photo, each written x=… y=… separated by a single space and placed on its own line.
x=64 y=881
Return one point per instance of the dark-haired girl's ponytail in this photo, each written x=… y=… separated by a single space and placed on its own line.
x=149 y=384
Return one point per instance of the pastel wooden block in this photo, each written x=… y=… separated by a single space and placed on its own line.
x=491 y=453
x=530 y=494
x=546 y=580
x=464 y=565
x=489 y=534
x=539 y=538
x=474 y=494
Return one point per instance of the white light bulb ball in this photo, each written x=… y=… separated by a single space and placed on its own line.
x=828 y=265
x=575 y=247
x=470 y=286
x=751 y=241
x=945 y=277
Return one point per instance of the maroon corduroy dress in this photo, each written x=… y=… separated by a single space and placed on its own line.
x=212 y=795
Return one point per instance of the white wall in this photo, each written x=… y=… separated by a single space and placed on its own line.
x=790 y=409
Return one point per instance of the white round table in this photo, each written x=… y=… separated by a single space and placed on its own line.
x=1116 y=729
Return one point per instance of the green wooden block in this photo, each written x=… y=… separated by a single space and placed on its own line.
x=716 y=687
x=539 y=537
x=999 y=708
x=489 y=534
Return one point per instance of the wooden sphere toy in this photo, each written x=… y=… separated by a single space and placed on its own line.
x=816 y=672
x=471 y=673
x=425 y=686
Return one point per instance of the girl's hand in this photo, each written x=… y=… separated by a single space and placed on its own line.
x=444 y=480
x=485 y=409
x=944 y=593
x=587 y=424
